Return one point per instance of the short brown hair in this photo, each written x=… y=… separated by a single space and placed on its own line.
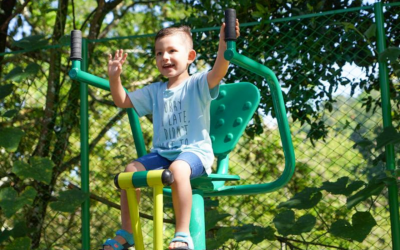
x=185 y=30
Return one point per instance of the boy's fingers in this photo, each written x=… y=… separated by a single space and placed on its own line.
x=124 y=58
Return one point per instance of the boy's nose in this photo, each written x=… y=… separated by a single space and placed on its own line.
x=165 y=56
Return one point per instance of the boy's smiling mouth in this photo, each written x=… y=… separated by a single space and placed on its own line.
x=168 y=65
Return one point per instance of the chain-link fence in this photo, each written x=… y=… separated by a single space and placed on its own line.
x=327 y=66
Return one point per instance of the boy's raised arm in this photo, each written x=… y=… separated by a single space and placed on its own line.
x=120 y=97
x=220 y=68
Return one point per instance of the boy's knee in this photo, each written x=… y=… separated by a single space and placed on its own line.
x=180 y=170
x=134 y=166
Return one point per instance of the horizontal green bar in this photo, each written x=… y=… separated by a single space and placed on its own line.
x=90 y=79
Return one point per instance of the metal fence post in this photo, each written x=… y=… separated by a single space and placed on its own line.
x=84 y=119
x=387 y=122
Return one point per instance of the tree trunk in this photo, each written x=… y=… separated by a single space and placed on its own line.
x=37 y=215
x=6 y=7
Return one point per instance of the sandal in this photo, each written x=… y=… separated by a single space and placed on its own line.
x=184 y=238
x=118 y=246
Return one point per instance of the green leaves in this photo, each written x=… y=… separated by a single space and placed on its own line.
x=374 y=187
x=223 y=234
x=341 y=186
x=348 y=26
x=19 y=230
x=388 y=136
x=69 y=200
x=247 y=232
x=6 y=90
x=18 y=74
x=212 y=218
x=23 y=243
x=10 y=202
x=390 y=54
x=39 y=169
x=10 y=113
x=10 y=138
x=371 y=31
x=307 y=198
x=363 y=222
x=286 y=224
x=254 y=234
x=32 y=42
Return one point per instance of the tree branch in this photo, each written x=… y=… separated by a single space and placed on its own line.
x=95 y=141
x=288 y=240
x=17 y=11
x=114 y=205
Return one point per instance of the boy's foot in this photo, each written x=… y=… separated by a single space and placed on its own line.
x=181 y=241
x=179 y=245
x=118 y=238
x=122 y=240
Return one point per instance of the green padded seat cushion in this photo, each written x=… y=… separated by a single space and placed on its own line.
x=230 y=113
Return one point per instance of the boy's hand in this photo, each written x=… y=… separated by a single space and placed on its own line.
x=221 y=65
x=222 y=31
x=115 y=65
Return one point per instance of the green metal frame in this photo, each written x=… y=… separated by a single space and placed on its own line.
x=197 y=225
x=393 y=189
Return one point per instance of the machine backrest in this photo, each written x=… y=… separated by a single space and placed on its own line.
x=230 y=113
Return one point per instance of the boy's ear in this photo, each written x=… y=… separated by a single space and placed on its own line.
x=192 y=55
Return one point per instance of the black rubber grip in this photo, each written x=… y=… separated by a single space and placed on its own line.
x=230 y=24
x=76 y=45
x=116 y=181
x=167 y=177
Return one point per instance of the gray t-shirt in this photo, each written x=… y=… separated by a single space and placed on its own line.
x=181 y=117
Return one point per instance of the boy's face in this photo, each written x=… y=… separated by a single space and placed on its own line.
x=173 y=55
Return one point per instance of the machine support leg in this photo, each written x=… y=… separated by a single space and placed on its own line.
x=197 y=221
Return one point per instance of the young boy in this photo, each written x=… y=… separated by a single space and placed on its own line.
x=181 y=123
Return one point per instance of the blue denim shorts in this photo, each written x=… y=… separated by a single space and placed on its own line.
x=153 y=161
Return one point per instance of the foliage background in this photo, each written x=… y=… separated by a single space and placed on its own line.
x=325 y=58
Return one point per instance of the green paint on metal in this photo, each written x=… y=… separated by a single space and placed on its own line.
x=136 y=132
x=387 y=122
x=139 y=179
x=84 y=116
x=283 y=124
x=197 y=222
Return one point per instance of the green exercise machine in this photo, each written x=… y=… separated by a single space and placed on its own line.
x=230 y=113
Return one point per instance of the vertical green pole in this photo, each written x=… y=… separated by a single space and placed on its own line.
x=387 y=122
x=85 y=151
x=197 y=225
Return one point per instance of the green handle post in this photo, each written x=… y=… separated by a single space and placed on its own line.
x=280 y=110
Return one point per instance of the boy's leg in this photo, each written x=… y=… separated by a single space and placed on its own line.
x=181 y=198
x=125 y=217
